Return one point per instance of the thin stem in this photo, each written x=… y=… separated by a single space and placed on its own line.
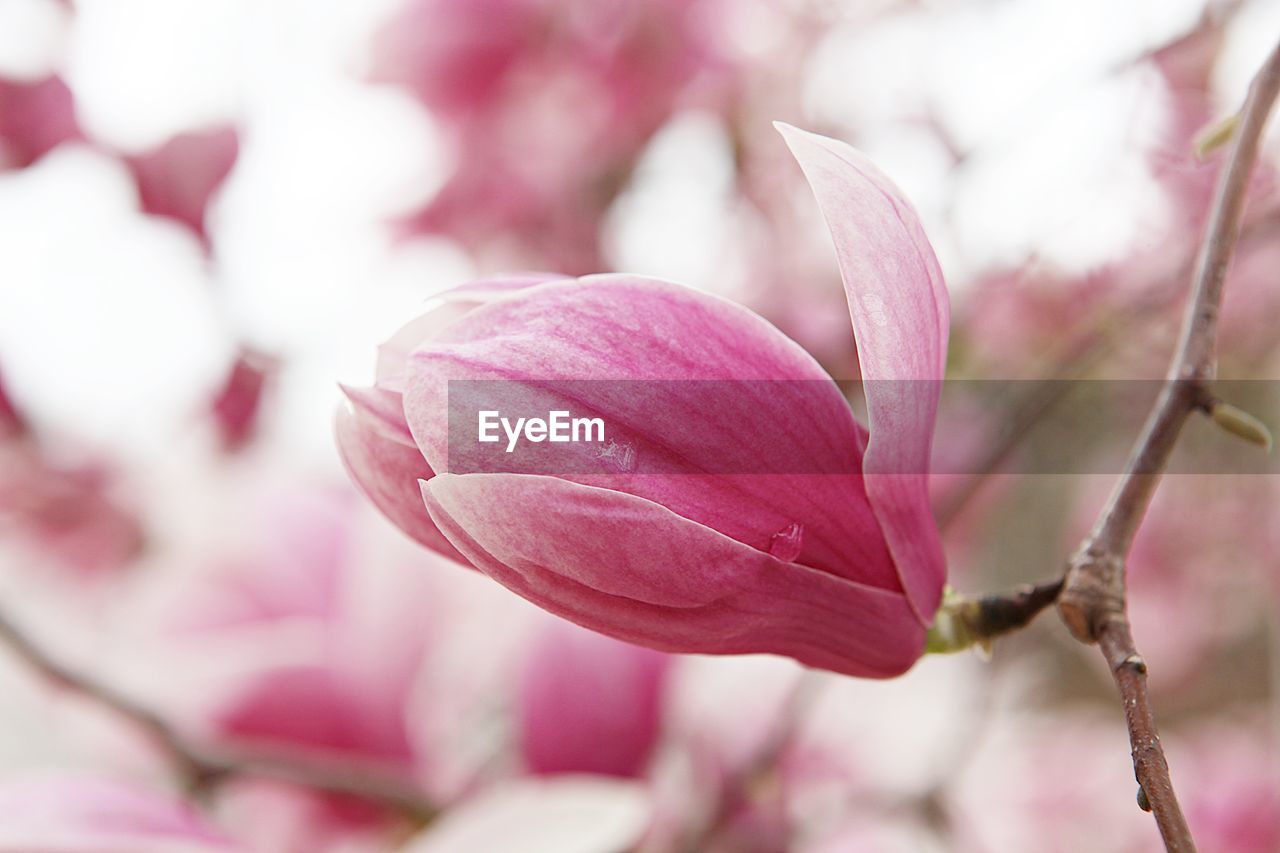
x=965 y=621
x=200 y=771
x=1093 y=597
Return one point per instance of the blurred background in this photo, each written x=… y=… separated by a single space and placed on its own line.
x=211 y=211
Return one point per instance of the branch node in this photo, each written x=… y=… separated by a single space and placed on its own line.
x=1134 y=662
x=1092 y=593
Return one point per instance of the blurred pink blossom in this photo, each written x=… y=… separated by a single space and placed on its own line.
x=74 y=814
x=455 y=54
x=502 y=75
x=314 y=633
x=235 y=408
x=1229 y=781
x=726 y=778
x=298 y=568
x=178 y=179
x=65 y=507
x=303 y=648
x=1196 y=525
x=1012 y=317
x=35 y=118
x=589 y=703
x=1051 y=782
x=1186 y=67
x=12 y=423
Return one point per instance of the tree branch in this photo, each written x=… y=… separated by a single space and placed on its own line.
x=1083 y=349
x=1092 y=602
x=200 y=771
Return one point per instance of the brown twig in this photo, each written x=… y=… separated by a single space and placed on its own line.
x=1092 y=602
x=1000 y=614
x=200 y=771
x=965 y=621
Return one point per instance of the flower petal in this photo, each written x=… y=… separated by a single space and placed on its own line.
x=899 y=307
x=772 y=464
x=387 y=470
x=448 y=307
x=627 y=567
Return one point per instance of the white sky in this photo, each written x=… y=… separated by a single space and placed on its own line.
x=110 y=330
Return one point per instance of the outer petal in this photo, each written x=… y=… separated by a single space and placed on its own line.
x=449 y=307
x=387 y=467
x=632 y=569
x=373 y=438
x=774 y=445
x=899 y=307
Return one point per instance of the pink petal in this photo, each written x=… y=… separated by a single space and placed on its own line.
x=373 y=438
x=757 y=463
x=899 y=307
x=454 y=304
x=387 y=467
x=627 y=567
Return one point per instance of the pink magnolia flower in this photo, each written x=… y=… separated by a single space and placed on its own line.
x=74 y=814
x=35 y=118
x=177 y=179
x=839 y=570
x=589 y=704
